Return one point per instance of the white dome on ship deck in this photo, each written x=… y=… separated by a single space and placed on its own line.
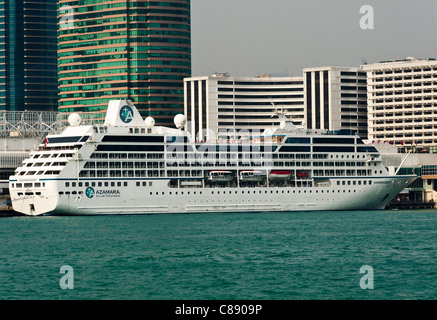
x=149 y=121
x=180 y=120
x=74 y=119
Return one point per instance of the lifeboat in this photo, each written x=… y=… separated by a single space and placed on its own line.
x=220 y=176
x=279 y=175
x=251 y=176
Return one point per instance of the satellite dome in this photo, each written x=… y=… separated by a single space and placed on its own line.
x=74 y=119
x=180 y=121
x=150 y=122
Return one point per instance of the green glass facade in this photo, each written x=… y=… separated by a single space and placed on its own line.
x=137 y=50
x=28 y=75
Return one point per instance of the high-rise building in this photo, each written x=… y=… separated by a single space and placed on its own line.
x=336 y=99
x=402 y=102
x=220 y=104
x=136 y=50
x=28 y=69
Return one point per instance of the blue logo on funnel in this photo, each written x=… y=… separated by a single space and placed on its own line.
x=126 y=114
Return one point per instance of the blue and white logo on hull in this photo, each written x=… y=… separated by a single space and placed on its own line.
x=126 y=114
x=89 y=192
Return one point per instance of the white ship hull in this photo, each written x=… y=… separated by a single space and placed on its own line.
x=160 y=199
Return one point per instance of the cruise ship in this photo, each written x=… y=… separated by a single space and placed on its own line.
x=128 y=165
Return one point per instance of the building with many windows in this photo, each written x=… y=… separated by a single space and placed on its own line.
x=133 y=50
x=402 y=102
x=220 y=104
x=336 y=99
x=28 y=71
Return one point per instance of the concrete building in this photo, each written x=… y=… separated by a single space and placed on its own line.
x=28 y=70
x=241 y=105
x=336 y=99
x=402 y=102
x=131 y=50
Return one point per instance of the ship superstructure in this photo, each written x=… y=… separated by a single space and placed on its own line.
x=130 y=166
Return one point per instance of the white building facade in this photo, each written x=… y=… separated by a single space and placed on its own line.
x=220 y=104
x=402 y=102
x=336 y=99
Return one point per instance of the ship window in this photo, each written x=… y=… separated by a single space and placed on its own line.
x=63 y=139
x=125 y=184
x=67 y=184
x=99 y=184
x=87 y=184
x=334 y=140
x=112 y=184
x=106 y=184
x=138 y=184
x=119 y=184
x=28 y=185
x=298 y=140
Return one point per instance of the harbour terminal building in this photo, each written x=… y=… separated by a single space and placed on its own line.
x=402 y=111
x=221 y=104
x=331 y=98
x=336 y=99
x=402 y=102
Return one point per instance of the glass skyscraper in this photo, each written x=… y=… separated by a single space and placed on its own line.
x=137 y=50
x=28 y=75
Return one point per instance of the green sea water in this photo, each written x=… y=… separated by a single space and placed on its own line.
x=261 y=256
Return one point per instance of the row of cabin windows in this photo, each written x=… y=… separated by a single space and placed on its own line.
x=96 y=184
x=139 y=173
x=156 y=165
x=342 y=173
x=46 y=164
x=31 y=173
x=98 y=155
x=19 y=185
x=190 y=155
x=251 y=192
x=354 y=182
x=51 y=155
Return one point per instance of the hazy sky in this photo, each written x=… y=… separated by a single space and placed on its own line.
x=252 y=37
